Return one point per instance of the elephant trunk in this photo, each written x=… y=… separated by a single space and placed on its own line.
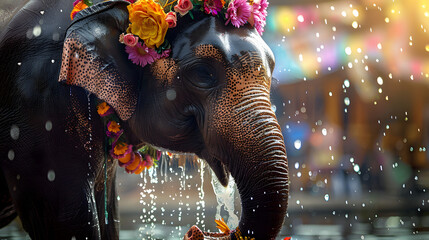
x=247 y=140
x=263 y=183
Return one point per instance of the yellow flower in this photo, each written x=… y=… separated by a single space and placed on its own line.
x=102 y=108
x=113 y=127
x=148 y=22
x=120 y=148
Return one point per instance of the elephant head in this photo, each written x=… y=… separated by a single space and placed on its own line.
x=211 y=97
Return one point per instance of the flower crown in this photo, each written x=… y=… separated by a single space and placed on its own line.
x=150 y=20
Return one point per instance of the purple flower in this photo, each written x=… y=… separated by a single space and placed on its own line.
x=141 y=54
x=238 y=12
x=213 y=7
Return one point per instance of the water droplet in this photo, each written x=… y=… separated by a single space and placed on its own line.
x=171 y=94
x=324 y=132
x=14 y=132
x=347 y=83
x=48 y=126
x=356 y=168
x=11 y=155
x=37 y=30
x=326 y=197
x=51 y=175
x=348 y=51
x=347 y=101
x=56 y=36
x=297 y=144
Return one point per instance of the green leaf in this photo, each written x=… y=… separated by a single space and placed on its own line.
x=196 y=2
x=88 y=2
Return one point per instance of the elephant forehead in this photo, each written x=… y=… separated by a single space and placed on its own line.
x=210 y=38
x=208 y=51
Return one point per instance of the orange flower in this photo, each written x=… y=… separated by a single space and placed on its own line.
x=77 y=8
x=113 y=127
x=126 y=158
x=120 y=148
x=103 y=108
x=221 y=225
x=141 y=168
x=135 y=164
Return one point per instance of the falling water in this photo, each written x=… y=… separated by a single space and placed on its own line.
x=201 y=205
x=148 y=200
x=225 y=198
x=173 y=182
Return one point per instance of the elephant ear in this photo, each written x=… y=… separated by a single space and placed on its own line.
x=94 y=59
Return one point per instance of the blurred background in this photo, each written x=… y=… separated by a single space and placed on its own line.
x=351 y=94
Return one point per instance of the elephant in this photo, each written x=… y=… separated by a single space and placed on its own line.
x=210 y=97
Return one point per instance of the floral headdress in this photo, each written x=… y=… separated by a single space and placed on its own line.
x=150 y=20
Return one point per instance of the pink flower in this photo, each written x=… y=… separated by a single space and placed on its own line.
x=121 y=38
x=76 y=2
x=213 y=7
x=238 y=12
x=183 y=6
x=171 y=19
x=259 y=14
x=165 y=53
x=141 y=54
x=130 y=40
x=148 y=162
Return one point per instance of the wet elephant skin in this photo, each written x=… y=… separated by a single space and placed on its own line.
x=211 y=97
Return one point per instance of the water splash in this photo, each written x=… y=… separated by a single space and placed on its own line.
x=225 y=198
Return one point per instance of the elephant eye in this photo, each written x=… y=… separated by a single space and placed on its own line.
x=203 y=75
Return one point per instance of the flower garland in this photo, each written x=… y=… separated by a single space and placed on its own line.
x=133 y=160
x=150 y=20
